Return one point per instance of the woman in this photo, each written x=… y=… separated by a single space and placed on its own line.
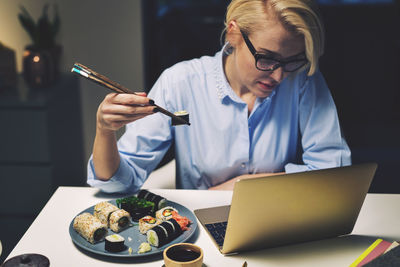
x=254 y=107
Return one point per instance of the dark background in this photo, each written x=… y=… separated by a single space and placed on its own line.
x=361 y=65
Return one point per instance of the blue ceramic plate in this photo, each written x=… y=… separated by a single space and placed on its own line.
x=133 y=237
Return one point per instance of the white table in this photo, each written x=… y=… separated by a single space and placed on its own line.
x=48 y=235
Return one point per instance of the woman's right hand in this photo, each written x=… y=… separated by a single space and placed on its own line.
x=117 y=110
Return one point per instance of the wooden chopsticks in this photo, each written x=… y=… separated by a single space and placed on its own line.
x=116 y=87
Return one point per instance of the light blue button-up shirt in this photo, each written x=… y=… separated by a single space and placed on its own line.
x=295 y=129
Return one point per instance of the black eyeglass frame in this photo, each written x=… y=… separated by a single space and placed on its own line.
x=279 y=63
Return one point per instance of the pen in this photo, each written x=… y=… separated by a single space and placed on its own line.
x=116 y=87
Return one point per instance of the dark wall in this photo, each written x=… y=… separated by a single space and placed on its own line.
x=361 y=65
x=362 y=68
x=182 y=32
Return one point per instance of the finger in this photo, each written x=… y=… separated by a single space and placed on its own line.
x=121 y=123
x=135 y=117
x=141 y=94
x=110 y=119
x=127 y=109
x=129 y=99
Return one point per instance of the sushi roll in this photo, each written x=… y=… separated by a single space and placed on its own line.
x=90 y=227
x=119 y=220
x=165 y=213
x=157 y=236
x=159 y=201
x=143 y=193
x=163 y=233
x=183 y=114
x=115 y=243
x=147 y=222
x=170 y=230
x=177 y=228
x=103 y=210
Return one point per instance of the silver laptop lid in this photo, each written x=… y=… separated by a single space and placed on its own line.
x=290 y=208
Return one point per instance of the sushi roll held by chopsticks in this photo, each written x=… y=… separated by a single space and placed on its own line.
x=182 y=114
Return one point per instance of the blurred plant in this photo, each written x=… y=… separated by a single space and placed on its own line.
x=43 y=33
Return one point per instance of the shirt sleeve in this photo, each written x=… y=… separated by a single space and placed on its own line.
x=120 y=182
x=321 y=138
x=141 y=148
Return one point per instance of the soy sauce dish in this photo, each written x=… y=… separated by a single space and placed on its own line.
x=183 y=254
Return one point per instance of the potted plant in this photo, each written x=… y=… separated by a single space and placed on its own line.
x=41 y=58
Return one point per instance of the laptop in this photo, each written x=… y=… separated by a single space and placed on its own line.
x=290 y=208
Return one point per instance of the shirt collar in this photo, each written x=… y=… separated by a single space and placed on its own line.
x=223 y=87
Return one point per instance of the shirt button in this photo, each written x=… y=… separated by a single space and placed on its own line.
x=243 y=165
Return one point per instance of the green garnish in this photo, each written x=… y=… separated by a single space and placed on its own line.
x=135 y=202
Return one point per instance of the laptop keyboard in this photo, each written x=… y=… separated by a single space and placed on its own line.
x=217 y=230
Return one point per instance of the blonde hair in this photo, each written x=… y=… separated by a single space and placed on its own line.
x=299 y=16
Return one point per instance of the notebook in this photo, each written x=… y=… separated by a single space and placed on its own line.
x=290 y=208
x=378 y=248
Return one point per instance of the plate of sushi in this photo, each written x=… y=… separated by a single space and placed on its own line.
x=135 y=226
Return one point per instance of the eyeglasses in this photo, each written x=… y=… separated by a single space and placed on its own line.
x=266 y=63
